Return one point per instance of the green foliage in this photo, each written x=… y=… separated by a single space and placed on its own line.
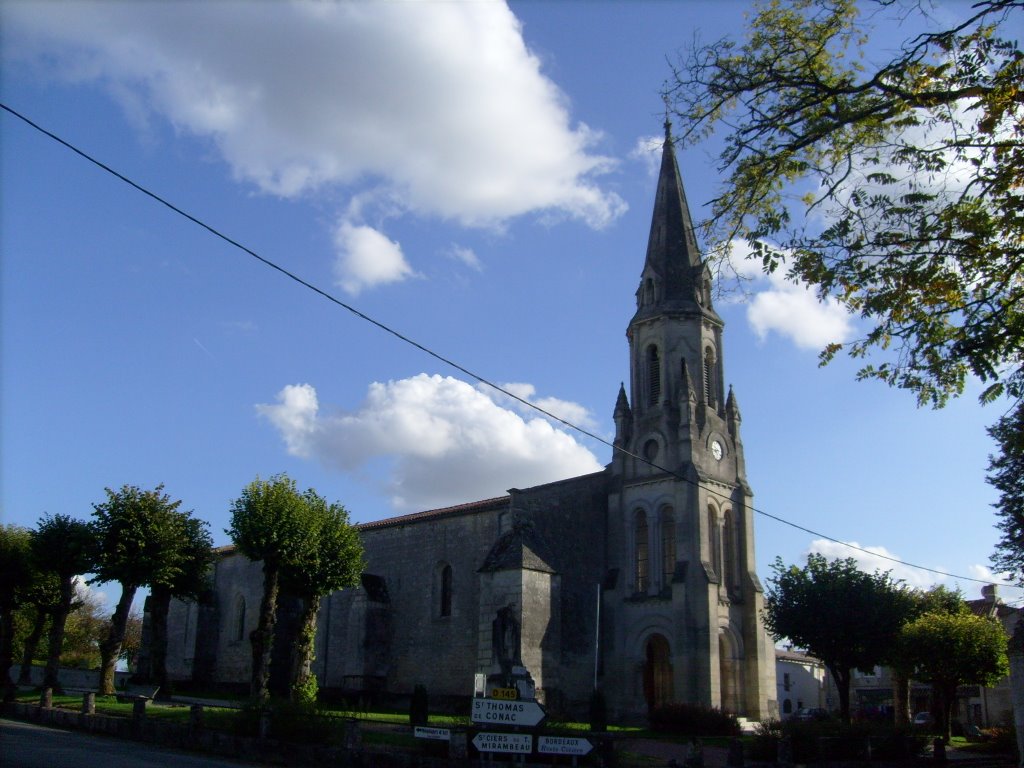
x=916 y=167
x=419 y=707
x=847 y=618
x=953 y=649
x=135 y=531
x=1005 y=470
x=268 y=522
x=64 y=545
x=332 y=558
x=693 y=720
x=16 y=565
x=305 y=691
x=307 y=546
x=893 y=187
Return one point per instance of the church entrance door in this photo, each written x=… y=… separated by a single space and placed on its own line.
x=657 y=672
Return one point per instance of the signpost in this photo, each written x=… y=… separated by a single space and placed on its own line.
x=423 y=732
x=563 y=745
x=503 y=742
x=498 y=712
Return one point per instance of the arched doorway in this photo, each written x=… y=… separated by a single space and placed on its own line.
x=657 y=671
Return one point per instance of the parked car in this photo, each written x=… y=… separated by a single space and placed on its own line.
x=807 y=714
x=923 y=719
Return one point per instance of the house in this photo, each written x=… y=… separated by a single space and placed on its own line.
x=802 y=681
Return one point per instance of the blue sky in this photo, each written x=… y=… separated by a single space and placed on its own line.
x=478 y=177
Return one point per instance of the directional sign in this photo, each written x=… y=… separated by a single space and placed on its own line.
x=563 y=745
x=496 y=712
x=503 y=742
x=423 y=732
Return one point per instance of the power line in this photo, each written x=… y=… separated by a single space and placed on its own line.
x=451 y=363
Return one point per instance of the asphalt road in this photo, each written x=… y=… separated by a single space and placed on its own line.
x=26 y=745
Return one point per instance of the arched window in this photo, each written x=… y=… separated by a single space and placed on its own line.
x=668 y=546
x=240 y=619
x=445 y=590
x=728 y=551
x=710 y=387
x=640 y=549
x=714 y=541
x=653 y=376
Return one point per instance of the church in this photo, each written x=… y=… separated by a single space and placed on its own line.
x=637 y=580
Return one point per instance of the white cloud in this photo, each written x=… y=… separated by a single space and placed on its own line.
x=648 y=151
x=467 y=256
x=876 y=559
x=367 y=258
x=440 y=107
x=444 y=441
x=792 y=310
x=574 y=413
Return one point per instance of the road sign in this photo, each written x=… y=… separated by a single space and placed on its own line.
x=441 y=734
x=509 y=694
x=563 y=745
x=495 y=712
x=503 y=742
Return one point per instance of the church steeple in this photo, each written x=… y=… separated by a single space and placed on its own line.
x=673 y=269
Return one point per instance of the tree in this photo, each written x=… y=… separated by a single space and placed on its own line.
x=42 y=598
x=15 y=578
x=847 y=618
x=269 y=523
x=184 y=576
x=136 y=531
x=65 y=547
x=895 y=189
x=1005 y=472
x=87 y=626
x=954 y=649
x=902 y=658
x=333 y=562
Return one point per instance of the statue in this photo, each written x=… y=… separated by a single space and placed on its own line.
x=505 y=651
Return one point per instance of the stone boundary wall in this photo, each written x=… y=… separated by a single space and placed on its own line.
x=71 y=678
x=221 y=743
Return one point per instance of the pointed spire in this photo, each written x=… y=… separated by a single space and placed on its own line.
x=732 y=408
x=622 y=403
x=673 y=259
x=691 y=393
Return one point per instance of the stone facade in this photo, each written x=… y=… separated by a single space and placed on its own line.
x=638 y=579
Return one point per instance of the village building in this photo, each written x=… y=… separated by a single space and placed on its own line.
x=638 y=580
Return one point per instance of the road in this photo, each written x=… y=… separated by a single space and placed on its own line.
x=26 y=745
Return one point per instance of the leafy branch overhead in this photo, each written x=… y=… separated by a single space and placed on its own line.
x=895 y=188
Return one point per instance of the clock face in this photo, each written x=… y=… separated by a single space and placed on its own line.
x=716 y=450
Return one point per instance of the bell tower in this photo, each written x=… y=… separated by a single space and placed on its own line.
x=687 y=592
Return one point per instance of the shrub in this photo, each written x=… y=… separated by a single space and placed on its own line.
x=419 y=709
x=693 y=720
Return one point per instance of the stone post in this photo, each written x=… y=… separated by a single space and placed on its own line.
x=735 y=757
x=139 y=709
x=264 y=723
x=695 y=754
x=89 y=703
x=353 y=738
x=195 y=718
x=458 y=747
x=46 y=699
x=785 y=753
x=939 y=750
